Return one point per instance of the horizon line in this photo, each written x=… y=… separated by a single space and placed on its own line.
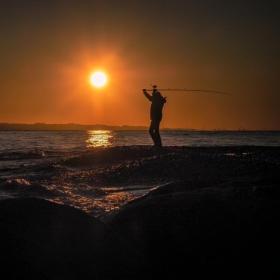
x=109 y=126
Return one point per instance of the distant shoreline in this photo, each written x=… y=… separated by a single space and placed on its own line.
x=64 y=127
x=85 y=127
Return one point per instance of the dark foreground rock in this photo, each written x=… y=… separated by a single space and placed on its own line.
x=222 y=213
x=42 y=240
x=208 y=229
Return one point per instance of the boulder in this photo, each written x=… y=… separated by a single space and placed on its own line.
x=44 y=240
x=181 y=231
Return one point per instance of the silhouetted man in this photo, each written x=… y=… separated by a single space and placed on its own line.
x=155 y=114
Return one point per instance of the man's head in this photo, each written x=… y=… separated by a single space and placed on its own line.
x=155 y=88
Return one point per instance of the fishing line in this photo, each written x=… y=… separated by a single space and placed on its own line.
x=190 y=90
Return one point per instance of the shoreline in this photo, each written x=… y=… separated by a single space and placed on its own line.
x=103 y=180
x=212 y=208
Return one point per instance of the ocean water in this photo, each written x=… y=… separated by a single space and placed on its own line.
x=18 y=147
x=18 y=141
x=32 y=163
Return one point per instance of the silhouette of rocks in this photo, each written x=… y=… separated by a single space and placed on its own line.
x=43 y=240
x=209 y=229
x=108 y=156
x=221 y=212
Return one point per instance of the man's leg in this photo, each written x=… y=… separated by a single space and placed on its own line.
x=157 y=138
x=152 y=131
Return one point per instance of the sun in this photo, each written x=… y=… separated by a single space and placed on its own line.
x=98 y=79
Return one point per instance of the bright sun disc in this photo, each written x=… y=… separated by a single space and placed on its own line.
x=98 y=79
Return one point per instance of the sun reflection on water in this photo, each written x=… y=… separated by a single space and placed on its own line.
x=99 y=138
x=98 y=206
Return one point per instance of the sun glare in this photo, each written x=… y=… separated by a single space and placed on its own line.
x=98 y=79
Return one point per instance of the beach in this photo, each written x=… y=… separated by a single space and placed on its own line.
x=146 y=211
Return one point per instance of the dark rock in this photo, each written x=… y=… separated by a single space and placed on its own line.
x=43 y=240
x=206 y=229
x=107 y=156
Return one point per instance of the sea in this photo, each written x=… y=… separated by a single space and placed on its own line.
x=31 y=162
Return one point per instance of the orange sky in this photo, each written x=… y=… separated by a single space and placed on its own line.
x=48 y=50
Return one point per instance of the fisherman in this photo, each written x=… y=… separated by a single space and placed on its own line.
x=155 y=114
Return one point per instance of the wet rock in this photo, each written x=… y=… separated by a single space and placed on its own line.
x=107 y=156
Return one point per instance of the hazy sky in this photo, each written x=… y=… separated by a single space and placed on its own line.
x=48 y=48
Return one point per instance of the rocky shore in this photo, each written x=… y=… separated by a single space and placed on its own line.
x=217 y=208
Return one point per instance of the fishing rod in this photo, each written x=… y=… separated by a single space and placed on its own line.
x=188 y=90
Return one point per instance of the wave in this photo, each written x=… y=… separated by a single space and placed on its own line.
x=22 y=155
x=22 y=187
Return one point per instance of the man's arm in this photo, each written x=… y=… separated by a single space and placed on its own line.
x=163 y=99
x=148 y=96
